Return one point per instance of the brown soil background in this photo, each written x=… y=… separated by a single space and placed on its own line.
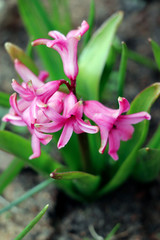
x=135 y=206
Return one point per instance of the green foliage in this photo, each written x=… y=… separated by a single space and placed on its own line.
x=28 y=194
x=12 y=143
x=60 y=15
x=10 y=173
x=94 y=56
x=90 y=22
x=38 y=25
x=156 y=52
x=32 y=223
x=112 y=233
x=122 y=70
x=147 y=167
x=16 y=52
x=4 y=100
x=86 y=183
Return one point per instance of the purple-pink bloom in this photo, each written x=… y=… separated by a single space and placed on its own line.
x=19 y=115
x=66 y=46
x=114 y=126
x=27 y=110
x=33 y=89
x=71 y=120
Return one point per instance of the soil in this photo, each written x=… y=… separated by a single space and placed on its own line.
x=135 y=206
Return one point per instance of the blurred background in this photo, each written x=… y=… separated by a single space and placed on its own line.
x=135 y=211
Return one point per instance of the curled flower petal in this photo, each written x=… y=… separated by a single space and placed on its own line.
x=26 y=74
x=43 y=75
x=66 y=134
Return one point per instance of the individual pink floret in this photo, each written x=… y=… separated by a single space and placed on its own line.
x=71 y=120
x=66 y=46
x=114 y=126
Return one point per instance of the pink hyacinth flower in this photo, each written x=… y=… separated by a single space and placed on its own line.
x=18 y=114
x=113 y=125
x=71 y=120
x=66 y=46
x=33 y=89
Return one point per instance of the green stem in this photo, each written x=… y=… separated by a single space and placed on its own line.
x=84 y=145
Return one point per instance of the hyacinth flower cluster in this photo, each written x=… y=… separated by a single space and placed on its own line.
x=44 y=109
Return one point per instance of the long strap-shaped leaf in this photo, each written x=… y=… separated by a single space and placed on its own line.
x=128 y=150
x=156 y=52
x=21 y=148
x=147 y=167
x=10 y=173
x=93 y=58
x=32 y=223
x=122 y=70
x=4 y=100
x=38 y=25
x=28 y=194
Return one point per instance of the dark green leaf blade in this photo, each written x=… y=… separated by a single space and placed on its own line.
x=156 y=51
x=4 y=100
x=147 y=167
x=93 y=58
x=21 y=148
x=10 y=173
x=90 y=22
x=38 y=27
x=155 y=140
x=122 y=70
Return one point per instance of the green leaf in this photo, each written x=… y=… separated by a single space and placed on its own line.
x=155 y=140
x=32 y=223
x=156 y=51
x=4 y=100
x=105 y=84
x=112 y=233
x=38 y=25
x=21 y=148
x=129 y=150
x=16 y=52
x=142 y=102
x=147 y=167
x=10 y=173
x=122 y=70
x=145 y=61
x=86 y=183
x=69 y=152
x=60 y=15
x=14 y=144
x=90 y=22
x=93 y=58
x=28 y=194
